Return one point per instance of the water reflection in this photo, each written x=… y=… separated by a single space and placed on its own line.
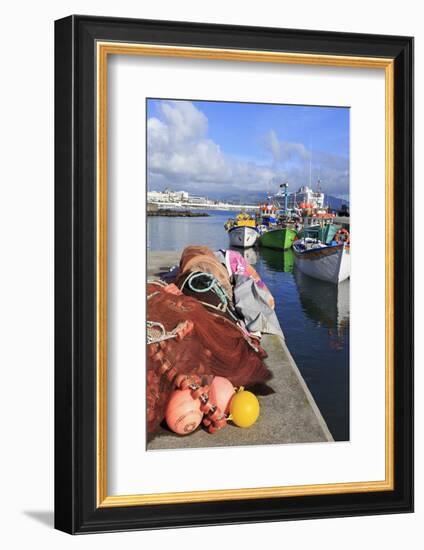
x=249 y=254
x=326 y=303
x=278 y=260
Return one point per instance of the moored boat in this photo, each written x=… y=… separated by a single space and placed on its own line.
x=280 y=238
x=324 y=262
x=277 y=224
x=242 y=236
x=323 y=231
x=242 y=231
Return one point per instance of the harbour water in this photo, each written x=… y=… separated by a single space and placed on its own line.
x=314 y=315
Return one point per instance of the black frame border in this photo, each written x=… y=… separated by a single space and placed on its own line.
x=75 y=274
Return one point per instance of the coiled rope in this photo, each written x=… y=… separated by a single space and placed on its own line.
x=212 y=284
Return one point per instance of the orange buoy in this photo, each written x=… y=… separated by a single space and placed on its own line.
x=220 y=393
x=183 y=414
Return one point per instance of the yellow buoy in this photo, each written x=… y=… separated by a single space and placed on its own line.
x=244 y=409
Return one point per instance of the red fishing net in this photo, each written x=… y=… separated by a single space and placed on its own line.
x=201 y=342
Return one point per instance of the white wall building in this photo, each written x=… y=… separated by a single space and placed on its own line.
x=167 y=196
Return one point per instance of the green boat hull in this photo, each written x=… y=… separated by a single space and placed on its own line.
x=279 y=239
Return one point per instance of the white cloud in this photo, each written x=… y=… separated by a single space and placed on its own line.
x=285 y=151
x=299 y=165
x=180 y=154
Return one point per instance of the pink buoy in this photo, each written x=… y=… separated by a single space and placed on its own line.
x=183 y=414
x=221 y=392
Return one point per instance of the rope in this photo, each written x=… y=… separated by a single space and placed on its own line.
x=158 y=333
x=209 y=276
x=213 y=286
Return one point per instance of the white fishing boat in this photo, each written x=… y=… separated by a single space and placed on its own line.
x=242 y=236
x=324 y=262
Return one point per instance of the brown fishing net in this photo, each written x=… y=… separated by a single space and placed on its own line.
x=202 y=259
x=187 y=338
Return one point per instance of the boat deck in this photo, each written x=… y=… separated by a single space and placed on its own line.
x=289 y=413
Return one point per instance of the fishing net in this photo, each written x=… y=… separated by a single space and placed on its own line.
x=202 y=259
x=186 y=338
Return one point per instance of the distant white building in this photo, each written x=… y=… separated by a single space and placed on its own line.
x=198 y=200
x=306 y=195
x=167 y=196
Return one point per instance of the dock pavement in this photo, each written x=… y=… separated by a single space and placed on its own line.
x=288 y=412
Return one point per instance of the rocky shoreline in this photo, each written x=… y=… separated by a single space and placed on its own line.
x=177 y=213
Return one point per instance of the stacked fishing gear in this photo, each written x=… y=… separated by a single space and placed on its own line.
x=199 y=350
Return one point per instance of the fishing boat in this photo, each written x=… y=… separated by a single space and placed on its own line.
x=277 y=226
x=242 y=231
x=321 y=261
x=279 y=238
x=242 y=236
x=323 y=230
x=266 y=216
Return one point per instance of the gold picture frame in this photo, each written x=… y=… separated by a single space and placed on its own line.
x=106 y=49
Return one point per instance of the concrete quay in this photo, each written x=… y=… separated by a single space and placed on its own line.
x=288 y=412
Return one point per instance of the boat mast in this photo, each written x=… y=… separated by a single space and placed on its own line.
x=310 y=164
x=310 y=173
x=286 y=196
x=285 y=187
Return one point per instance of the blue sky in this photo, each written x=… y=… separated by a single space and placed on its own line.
x=220 y=148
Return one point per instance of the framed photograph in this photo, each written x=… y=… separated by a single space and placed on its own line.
x=234 y=274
